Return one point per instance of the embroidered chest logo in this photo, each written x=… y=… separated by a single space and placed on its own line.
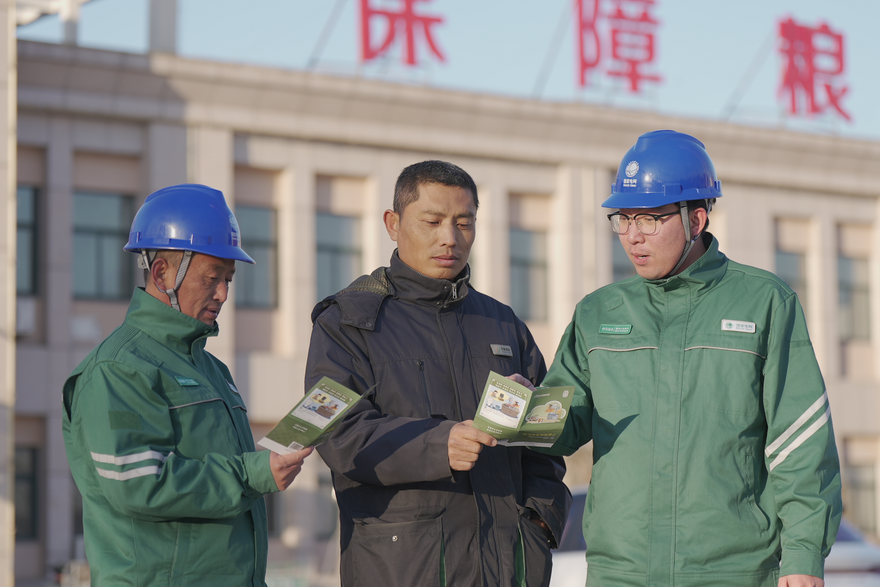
x=738 y=326
x=501 y=350
x=615 y=329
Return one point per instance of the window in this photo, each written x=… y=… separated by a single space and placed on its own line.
x=854 y=298
x=26 y=495
x=101 y=269
x=528 y=273
x=621 y=265
x=256 y=286
x=26 y=246
x=792 y=269
x=793 y=236
x=861 y=496
x=338 y=260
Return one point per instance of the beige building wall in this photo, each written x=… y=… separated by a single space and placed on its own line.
x=303 y=143
x=8 y=72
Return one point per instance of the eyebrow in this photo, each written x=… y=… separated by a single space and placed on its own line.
x=443 y=214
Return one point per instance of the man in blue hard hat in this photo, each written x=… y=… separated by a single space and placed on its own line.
x=714 y=455
x=156 y=433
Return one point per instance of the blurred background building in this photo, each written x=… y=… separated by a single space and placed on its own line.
x=308 y=161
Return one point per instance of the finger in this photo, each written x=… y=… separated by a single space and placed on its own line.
x=468 y=432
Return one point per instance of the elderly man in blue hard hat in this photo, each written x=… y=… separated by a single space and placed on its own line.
x=714 y=456
x=156 y=432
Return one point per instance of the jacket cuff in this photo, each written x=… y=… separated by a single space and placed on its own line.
x=438 y=442
x=802 y=562
x=259 y=473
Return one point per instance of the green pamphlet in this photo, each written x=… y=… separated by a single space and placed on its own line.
x=518 y=416
x=313 y=419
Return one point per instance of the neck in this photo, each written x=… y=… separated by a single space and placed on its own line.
x=695 y=253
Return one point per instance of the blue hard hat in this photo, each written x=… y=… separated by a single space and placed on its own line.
x=664 y=167
x=187 y=217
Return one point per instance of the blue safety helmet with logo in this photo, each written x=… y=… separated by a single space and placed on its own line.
x=191 y=218
x=666 y=167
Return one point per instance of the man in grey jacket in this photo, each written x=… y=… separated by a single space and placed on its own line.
x=425 y=498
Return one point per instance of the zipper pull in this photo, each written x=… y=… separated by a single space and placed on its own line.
x=454 y=291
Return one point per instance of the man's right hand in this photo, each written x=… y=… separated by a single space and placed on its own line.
x=285 y=468
x=465 y=444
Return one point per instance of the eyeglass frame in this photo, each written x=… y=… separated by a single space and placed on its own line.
x=632 y=220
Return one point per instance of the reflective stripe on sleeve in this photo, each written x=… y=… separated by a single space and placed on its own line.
x=805 y=435
x=129 y=459
x=817 y=405
x=126 y=475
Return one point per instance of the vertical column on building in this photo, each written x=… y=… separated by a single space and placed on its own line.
x=823 y=293
x=600 y=241
x=379 y=197
x=296 y=281
x=8 y=83
x=568 y=256
x=59 y=304
x=210 y=162
x=166 y=162
x=491 y=250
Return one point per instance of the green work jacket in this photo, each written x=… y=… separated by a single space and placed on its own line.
x=159 y=444
x=714 y=456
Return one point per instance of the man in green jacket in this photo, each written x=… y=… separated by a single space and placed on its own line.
x=156 y=433
x=714 y=455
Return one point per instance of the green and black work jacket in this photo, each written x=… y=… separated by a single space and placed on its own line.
x=714 y=455
x=160 y=447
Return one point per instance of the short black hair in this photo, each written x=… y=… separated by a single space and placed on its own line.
x=406 y=191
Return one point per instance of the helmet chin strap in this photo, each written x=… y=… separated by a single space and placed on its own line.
x=686 y=223
x=146 y=263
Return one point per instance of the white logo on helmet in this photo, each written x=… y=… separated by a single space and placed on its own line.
x=632 y=168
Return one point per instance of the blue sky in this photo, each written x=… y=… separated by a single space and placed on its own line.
x=718 y=58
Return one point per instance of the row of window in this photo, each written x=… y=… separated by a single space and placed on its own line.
x=102 y=270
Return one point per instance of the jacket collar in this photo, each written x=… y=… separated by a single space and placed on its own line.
x=412 y=286
x=161 y=322
x=702 y=275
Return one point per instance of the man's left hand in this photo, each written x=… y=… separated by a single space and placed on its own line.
x=801 y=581
x=285 y=468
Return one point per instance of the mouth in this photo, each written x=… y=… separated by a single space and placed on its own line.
x=639 y=259
x=446 y=260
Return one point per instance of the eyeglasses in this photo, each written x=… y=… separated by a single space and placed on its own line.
x=648 y=224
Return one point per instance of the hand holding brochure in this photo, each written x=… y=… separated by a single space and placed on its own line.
x=313 y=419
x=518 y=416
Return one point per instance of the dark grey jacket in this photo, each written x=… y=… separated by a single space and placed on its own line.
x=406 y=518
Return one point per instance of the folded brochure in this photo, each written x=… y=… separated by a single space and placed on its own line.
x=313 y=419
x=518 y=416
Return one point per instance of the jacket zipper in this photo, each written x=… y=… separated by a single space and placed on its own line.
x=425 y=386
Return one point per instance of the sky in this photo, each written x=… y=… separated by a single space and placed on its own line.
x=717 y=59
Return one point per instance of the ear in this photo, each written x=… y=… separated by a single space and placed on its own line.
x=698 y=218
x=158 y=271
x=392 y=223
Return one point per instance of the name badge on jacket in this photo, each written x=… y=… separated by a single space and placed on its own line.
x=502 y=350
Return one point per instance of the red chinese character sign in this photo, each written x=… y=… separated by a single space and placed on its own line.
x=404 y=20
x=629 y=35
x=813 y=64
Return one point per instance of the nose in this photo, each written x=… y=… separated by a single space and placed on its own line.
x=221 y=293
x=447 y=234
x=634 y=235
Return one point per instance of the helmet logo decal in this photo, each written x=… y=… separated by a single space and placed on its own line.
x=631 y=169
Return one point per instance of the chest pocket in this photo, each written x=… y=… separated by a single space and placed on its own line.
x=724 y=373
x=621 y=369
x=203 y=422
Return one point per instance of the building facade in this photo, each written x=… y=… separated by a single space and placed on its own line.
x=309 y=163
